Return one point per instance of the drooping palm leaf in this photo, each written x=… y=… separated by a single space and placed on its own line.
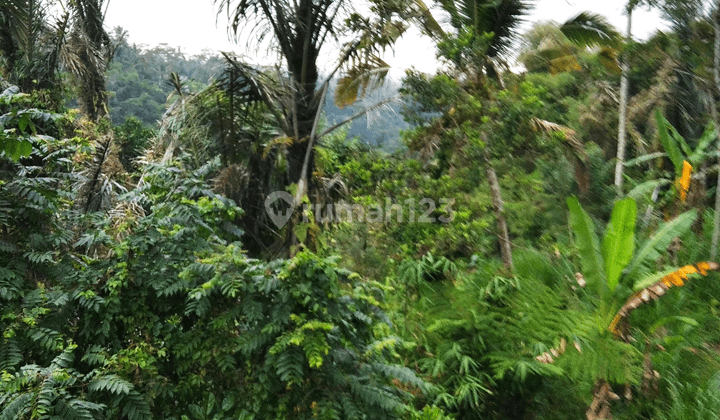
x=18 y=17
x=573 y=144
x=500 y=17
x=422 y=14
x=359 y=79
x=590 y=29
x=658 y=288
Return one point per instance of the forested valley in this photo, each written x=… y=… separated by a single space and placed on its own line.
x=530 y=232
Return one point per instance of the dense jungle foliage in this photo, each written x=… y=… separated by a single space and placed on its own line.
x=207 y=238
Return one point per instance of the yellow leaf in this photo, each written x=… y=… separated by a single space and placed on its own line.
x=657 y=289
x=683 y=183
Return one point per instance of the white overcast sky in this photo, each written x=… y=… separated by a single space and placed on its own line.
x=193 y=25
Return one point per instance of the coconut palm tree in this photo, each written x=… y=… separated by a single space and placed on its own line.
x=293 y=92
x=30 y=42
x=485 y=30
x=91 y=50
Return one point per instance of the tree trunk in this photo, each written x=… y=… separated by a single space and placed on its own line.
x=600 y=407
x=622 y=120
x=93 y=96
x=716 y=73
x=302 y=65
x=503 y=236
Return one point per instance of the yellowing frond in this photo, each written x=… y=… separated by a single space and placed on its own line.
x=657 y=289
x=683 y=183
x=346 y=92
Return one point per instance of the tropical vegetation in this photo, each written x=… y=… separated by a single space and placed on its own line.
x=204 y=237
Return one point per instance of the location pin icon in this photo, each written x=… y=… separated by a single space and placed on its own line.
x=279 y=219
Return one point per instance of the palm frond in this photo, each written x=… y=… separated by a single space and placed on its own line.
x=359 y=79
x=501 y=18
x=590 y=29
x=658 y=288
x=573 y=144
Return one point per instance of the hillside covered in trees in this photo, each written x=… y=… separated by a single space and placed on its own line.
x=531 y=232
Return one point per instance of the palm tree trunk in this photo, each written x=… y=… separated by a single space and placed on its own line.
x=716 y=73
x=622 y=120
x=497 y=201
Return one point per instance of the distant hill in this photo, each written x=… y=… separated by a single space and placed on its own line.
x=380 y=127
x=137 y=85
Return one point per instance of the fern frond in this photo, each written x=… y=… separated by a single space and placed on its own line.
x=602 y=357
x=112 y=384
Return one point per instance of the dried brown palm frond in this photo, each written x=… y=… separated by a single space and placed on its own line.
x=232 y=182
x=96 y=186
x=124 y=216
x=656 y=290
x=602 y=396
x=641 y=107
x=576 y=148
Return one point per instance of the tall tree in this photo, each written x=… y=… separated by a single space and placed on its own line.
x=299 y=30
x=716 y=121
x=622 y=118
x=94 y=51
x=485 y=30
x=30 y=43
x=293 y=94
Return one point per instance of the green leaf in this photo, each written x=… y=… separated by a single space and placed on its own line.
x=228 y=402
x=659 y=242
x=23 y=122
x=662 y=321
x=646 y=187
x=301 y=231
x=669 y=139
x=706 y=140
x=588 y=244
x=649 y=279
x=619 y=241
x=14 y=147
x=644 y=158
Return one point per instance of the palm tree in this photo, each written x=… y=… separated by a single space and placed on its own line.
x=488 y=29
x=485 y=31
x=292 y=93
x=299 y=31
x=91 y=51
x=30 y=43
x=716 y=120
x=35 y=47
